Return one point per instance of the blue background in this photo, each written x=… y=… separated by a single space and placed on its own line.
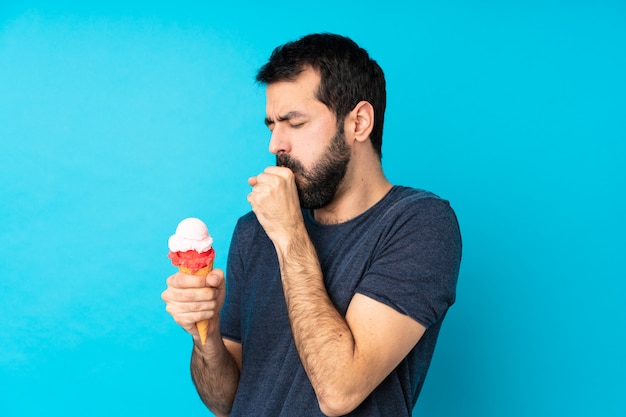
x=118 y=120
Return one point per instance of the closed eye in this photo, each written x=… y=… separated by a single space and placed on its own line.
x=291 y=118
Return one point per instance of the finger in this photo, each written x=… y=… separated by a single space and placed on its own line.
x=259 y=192
x=264 y=178
x=283 y=172
x=188 y=320
x=274 y=176
x=190 y=295
x=201 y=308
x=187 y=313
x=216 y=280
x=182 y=280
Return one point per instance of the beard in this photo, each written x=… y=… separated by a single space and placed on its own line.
x=317 y=187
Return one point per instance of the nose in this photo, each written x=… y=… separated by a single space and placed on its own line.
x=279 y=141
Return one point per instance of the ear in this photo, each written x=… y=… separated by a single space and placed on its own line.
x=362 y=118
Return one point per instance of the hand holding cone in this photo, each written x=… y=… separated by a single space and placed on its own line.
x=192 y=252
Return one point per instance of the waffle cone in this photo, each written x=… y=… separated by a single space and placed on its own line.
x=203 y=325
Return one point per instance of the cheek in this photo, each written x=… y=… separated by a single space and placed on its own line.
x=311 y=145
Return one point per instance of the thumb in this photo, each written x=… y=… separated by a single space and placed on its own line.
x=215 y=279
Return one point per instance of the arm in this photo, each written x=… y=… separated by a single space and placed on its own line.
x=345 y=358
x=215 y=366
x=215 y=371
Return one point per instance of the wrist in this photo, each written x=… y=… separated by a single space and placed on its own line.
x=286 y=241
x=212 y=339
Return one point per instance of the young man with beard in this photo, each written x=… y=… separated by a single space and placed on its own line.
x=338 y=281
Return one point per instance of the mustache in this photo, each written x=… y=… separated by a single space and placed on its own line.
x=284 y=160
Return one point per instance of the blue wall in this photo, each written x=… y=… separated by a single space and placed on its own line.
x=118 y=121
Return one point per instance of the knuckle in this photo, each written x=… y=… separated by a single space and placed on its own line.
x=197 y=306
x=188 y=296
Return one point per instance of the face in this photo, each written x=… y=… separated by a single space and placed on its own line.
x=306 y=139
x=317 y=186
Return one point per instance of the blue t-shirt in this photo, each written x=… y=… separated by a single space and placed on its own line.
x=405 y=252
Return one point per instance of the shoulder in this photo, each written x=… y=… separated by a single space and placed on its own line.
x=406 y=202
x=415 y=262
x=420 y=217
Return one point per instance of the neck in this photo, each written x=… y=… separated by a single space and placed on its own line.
x=357 y=193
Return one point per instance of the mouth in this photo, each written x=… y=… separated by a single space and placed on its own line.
x=284 y=160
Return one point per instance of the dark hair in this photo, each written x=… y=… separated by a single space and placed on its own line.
x=348 y=75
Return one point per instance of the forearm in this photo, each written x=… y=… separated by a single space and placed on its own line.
x=215 y=375
x=322 y=336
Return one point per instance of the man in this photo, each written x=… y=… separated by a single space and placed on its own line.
x=338 y=281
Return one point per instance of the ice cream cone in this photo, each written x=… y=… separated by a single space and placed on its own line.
x=192 y=252
x=203 y=325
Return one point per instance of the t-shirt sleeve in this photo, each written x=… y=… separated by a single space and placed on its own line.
x=230 y=323
x=416 y=263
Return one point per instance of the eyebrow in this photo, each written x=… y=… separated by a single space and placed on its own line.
x=287 y=116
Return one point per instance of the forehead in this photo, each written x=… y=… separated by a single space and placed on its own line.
x=299 y=92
